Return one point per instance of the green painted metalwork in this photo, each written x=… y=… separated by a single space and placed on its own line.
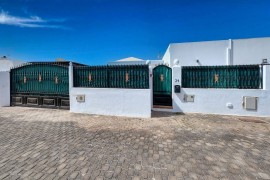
x=40 y=78
x=120 y=76
x=162 y=86
x=162 y=80
x=238 y=76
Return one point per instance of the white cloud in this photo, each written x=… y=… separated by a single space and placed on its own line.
x=31 y=22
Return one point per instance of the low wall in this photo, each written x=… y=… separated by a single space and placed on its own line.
x=109 y=101
x=4 y=89
x=214 y=101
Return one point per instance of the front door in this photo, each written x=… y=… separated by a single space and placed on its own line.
x=162 y=86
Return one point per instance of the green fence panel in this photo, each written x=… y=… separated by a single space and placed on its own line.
x=239 y=76
x=40 y=78
x=120 y=76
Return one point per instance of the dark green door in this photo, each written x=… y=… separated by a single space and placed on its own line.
x=162 y=86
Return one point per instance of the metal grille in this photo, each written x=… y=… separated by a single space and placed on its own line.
x=40 y=84
x=124 y=76
x=239 y=76
x=40 y=78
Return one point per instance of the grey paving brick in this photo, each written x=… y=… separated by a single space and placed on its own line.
x=4 y=175
x=38 y=176
x=74 y=175
x=56 y=144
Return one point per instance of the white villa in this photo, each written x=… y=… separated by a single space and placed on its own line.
x=230 y=77
x=216 y=53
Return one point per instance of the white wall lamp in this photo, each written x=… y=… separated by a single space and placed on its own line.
x=198 y=62
x=264 y=61
x=176 y=62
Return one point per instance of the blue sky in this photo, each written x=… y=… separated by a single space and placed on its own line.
x=97 y=31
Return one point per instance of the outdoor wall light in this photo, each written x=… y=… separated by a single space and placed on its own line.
x=176 y=62
x=264 y=61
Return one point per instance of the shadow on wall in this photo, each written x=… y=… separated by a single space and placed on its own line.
x=176 y=98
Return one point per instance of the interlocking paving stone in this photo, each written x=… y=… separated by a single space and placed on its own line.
x=38 y=176
x=56 y=144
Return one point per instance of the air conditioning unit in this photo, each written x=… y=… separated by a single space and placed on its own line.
x=250 y=103
x=80 y=98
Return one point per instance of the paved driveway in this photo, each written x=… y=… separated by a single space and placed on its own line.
x=56 y=144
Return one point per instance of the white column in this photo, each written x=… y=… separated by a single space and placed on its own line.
x=176 y=80
x=151 y=84
x=266 y=77
x=4 y=89
x=230 y=53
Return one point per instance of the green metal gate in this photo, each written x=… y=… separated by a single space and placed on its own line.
x=162 y=86
x=41 y=85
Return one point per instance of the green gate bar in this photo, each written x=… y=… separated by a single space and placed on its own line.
x=113 y=76
x=237 y=76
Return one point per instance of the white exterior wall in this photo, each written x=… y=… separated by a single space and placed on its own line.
x=6 y=64
x=167 y=57
x=208 y=53
x=251 y=51
x=109 y=101
x=214 y=53
x=4 y=89
x=214 y=101
x=224 y=52
x=144 y=62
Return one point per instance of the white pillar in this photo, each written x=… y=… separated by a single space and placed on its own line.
x=4 y=89
x=176 y=80
x=266 y=77
x=230 y=53
x=151 y=84
x=70 y=76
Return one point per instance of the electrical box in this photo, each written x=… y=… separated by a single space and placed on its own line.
x=177 y=89
x=250 y=103
x=229 y=105
x=189 y=98
x=80 y=98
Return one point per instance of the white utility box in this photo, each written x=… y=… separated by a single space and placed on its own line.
x=80 y=98
x=250 y=103
x=189 y=98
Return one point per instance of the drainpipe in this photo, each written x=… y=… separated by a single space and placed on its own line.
x=230 y=53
